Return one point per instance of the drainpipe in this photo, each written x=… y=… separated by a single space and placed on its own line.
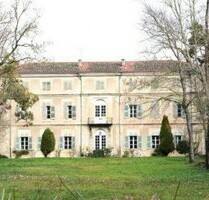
x=10 y=131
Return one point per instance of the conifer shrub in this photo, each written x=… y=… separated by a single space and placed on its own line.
x=183 y=147
x=47 y=142
x=166 y=138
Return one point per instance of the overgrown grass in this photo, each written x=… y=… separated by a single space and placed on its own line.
x=107 y=178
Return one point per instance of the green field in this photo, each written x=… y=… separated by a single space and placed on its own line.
x=108 y=178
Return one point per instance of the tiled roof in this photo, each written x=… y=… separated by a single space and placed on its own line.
x=97 y=67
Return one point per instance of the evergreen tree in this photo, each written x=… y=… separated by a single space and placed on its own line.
x=47 y=142
x=166 y=139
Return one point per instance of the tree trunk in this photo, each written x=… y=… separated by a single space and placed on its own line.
x=190 y=134
x=206 y=84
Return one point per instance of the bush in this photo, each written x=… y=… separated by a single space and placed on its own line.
x=166 y=138
x=3 y=156
x=98 y=153
x=20 y=153
x=183 y=147
x=47 y=142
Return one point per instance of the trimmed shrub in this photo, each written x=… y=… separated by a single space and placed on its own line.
x=3 y=156
x=47 y=142
x=183 y=147
x=166 y=138
x=98 y=153
x=19 y=154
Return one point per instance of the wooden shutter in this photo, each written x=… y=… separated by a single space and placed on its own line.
x=18 y=142
x=175 y=111
x=149 y=140
x=52 y=112
x=66 y=110
x=126 y=142
x=44 y=110
x=61 y=143
x=126 y=111
x=73 y=142
x=39 y=143
x=74 y=112
x=30 y=143
x=139 y=142
x=139 y=111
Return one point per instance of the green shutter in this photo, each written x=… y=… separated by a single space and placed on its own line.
x=175 y=111
x=52 y=112
x=30 y=145
x=44 y=110
x=126 y=142
x=149 y=142
x=139 y=111
x=126 y=111
x=39 y=143
x=66 y=110
x=139 y=142
x=73 y=142
x=18 y=141
x=61 y=143
x=74 y=112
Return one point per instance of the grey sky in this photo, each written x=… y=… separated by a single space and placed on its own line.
x=91 y=29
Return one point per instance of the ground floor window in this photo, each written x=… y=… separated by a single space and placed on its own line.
x=133 y=142
x=155 y=141
x=100 y=140
x=177 y=139
x=24 y=143
x=67 y=142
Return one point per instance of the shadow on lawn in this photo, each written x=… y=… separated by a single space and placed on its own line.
x=74 y=194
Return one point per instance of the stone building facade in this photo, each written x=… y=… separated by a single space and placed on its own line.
x=89 y=105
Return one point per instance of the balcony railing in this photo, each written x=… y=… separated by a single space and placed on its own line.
x=105 y=121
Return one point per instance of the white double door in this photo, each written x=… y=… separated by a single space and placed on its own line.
x=100 y=140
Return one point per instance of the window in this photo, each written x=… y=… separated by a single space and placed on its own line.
x=178 y=110
x=99 y=85
x=133 y=142
x=67 y=85
x=67 y=142
x=133 y=111
x=46 y=86
x=100 y=140
x=24 y=143
x=100 y=109
x=177 y=139
x=48 y=111
x=70 y=111
x=155 y=141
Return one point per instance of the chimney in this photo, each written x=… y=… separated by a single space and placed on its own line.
x=123 y=62
x=79 y=63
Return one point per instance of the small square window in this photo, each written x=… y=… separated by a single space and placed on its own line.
x=46 y=86
x=67 y=85
x=99 y=85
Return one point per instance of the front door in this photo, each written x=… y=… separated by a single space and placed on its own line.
x=100 y=140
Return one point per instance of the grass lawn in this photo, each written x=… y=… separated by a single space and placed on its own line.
x=108 y=178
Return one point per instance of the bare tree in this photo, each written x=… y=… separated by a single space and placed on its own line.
x=182 y=30
x=18 y=43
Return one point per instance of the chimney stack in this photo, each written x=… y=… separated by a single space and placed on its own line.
x=79 y=62
x=123 y=61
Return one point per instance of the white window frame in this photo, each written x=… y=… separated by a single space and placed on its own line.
x=48 y=88
x=45 y=105
x=100 y=140
x=100 y=109
x=100 y=84
x=133 y=141
x=155 y=141
x=67 y=85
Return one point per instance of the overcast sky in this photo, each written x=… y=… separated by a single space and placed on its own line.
x=92 y=29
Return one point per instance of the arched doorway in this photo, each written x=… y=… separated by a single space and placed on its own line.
x=100 y=140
